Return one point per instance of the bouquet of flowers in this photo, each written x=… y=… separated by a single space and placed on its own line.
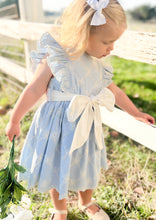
x=10 y=190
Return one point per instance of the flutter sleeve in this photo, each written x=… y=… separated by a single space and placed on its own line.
x=57 y=58
x=107 y=74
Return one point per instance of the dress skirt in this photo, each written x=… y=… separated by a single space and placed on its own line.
x=45 y=153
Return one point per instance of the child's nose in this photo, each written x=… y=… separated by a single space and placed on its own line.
x=111 y=47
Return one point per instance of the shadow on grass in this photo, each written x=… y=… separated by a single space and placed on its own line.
x=145 y=84
x=72 y=216
x=146 y=106
x=83 y=217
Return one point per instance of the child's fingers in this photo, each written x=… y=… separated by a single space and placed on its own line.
x=150 y=119
x=12 y=132
x=10 y=137
x=16 y=136
x=146 y=119
x=153 y=121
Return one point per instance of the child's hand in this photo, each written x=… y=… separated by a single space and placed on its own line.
x=141 y=116
x=12 y=129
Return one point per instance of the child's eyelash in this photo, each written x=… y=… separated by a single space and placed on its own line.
x=108 y=42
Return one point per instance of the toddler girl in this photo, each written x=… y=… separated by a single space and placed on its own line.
x=64 y=148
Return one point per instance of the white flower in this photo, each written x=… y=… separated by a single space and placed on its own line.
x=9 y=217
x=20 y=211
x=15 y=209
x=24 y=215
x=25 y=202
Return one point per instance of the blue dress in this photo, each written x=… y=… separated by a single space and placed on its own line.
x=45 y=153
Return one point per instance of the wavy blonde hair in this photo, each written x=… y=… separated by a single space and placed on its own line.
x=75 y=25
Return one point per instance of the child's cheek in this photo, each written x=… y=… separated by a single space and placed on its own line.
x=104 y=49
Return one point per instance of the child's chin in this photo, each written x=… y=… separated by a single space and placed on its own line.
x=102 y=56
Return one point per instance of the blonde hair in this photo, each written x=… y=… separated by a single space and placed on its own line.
x=76 y=28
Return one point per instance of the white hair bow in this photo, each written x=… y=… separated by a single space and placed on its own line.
x=98 y=18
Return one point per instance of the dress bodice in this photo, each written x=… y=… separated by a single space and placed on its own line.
x=86 y=75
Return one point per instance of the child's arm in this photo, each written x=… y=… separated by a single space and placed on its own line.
x=32 y=92
x=127 y=105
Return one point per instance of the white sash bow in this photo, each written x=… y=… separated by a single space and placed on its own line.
x=89 y=111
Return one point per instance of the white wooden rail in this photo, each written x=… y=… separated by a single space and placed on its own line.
x=21 y=30
x=138 y=46
x=132 y=45
x=14 y=70
x=126 y=124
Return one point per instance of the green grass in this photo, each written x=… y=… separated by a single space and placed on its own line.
x=131 y=164
x=14 y=49
x=138 y=80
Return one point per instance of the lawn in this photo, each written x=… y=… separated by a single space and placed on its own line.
x=127 y=190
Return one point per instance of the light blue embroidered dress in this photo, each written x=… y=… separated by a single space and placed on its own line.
x=45 y=153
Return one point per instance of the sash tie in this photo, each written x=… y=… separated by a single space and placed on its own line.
x=89 y=111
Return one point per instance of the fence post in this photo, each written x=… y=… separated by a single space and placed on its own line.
x=30 y=10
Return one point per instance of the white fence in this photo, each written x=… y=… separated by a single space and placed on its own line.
x=139 y=46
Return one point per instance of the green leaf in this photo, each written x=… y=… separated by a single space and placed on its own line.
x=12 y=171
x=19 y=168
x=3 y=174
x=3 y=187
x=3 y=171
x=5 y=203
x=17 y=193
x=1 y=201
x=14 y=200
x=4 y=184
x=2 y=181
x=11 y=158
x=20 y=186
x=3 y=213
x=7 y=192
x=4 y=208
